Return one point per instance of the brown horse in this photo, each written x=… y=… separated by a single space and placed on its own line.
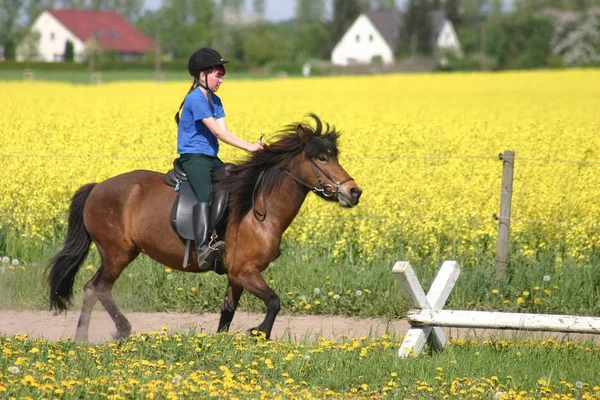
x=129 y=214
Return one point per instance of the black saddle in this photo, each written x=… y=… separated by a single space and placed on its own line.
x=181 y=211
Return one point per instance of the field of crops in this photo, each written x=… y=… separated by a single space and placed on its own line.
x=423 y=148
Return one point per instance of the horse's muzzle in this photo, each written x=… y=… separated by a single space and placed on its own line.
x=349 y=196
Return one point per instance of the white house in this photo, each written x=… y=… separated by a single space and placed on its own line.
x=374 y=37
x=108 y=30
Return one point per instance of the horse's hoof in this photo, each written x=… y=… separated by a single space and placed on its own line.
x=257 y=333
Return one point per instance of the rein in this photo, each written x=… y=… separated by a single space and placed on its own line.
x=326 y=189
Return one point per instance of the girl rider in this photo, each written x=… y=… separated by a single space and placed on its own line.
x=199 y=129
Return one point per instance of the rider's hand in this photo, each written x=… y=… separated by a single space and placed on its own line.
x=255 y=146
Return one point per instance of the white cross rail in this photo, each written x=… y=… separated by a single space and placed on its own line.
x=426 y=315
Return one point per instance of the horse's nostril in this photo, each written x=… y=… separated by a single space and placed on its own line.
x=355 y=192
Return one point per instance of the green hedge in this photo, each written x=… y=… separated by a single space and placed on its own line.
x=177 y=66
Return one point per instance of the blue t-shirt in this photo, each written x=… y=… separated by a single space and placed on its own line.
x=193 y=137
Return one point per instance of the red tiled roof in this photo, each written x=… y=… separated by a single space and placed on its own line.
x=111 y=30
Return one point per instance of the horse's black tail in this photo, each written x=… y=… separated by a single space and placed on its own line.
x=66 y=263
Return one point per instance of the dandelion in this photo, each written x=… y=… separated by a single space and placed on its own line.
x=336 y=296
x=359 y=292
x=548 y=292
x=15 y=262
x=579 y=385
x=169 y=276
x=14 y=369
x=168 y=270
x=526 y=293
x=176 y=379
x=130 y=275
x=330 y=294
x=90 y=267
x=308 y=306
x=5 y=259
x=498 y=395
x=495 y=291
x=546 y=278
x=520 y=300
x=317 y=291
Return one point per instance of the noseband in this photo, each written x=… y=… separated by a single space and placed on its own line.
x=326 y=189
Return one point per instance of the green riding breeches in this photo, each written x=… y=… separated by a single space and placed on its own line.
x=198 y=168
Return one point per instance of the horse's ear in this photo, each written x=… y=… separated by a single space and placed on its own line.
x=302 y=134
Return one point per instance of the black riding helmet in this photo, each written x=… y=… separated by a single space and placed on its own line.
x=204 y=59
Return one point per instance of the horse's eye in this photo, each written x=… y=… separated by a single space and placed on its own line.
x=322 y=159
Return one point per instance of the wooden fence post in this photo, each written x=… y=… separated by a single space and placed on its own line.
x=502 y=248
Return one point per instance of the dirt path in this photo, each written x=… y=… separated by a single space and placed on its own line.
x=45 y=324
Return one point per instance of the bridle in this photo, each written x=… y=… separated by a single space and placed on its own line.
x=326 y=189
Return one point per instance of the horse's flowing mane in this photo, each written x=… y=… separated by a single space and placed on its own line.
x=291 y=141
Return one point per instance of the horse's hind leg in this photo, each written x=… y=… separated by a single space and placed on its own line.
x=89 y=299
x=100 y=288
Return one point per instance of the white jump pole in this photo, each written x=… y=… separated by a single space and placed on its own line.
x=500 y=320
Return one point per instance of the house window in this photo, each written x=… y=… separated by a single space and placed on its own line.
x=51 y=35
x=98 y=32
x=370 y=38
x=114 y=34
x=357 y=38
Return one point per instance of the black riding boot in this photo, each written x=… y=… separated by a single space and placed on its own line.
x=207 y=252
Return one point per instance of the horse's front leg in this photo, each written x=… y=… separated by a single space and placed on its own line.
x=253 y=282
x=232 y=297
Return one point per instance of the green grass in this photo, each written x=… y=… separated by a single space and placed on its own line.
x=227 y=366
x=309 y=282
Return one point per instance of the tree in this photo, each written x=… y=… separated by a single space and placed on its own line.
x=235 y=6
x=259 y=8
x=389 y=5
x=472 y=11
x=452 y=9
x=265 y=44
x=417 y=32
x=69 y=51
x=345 y=13
x=309 y=41
x=187 y=25
x=310 y=10
x=29 y=47
x=577 y=41
x=10 y=12
x=130 y=9
x=519 y=40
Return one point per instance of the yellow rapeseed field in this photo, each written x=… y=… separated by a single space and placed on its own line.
x=424 y=149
